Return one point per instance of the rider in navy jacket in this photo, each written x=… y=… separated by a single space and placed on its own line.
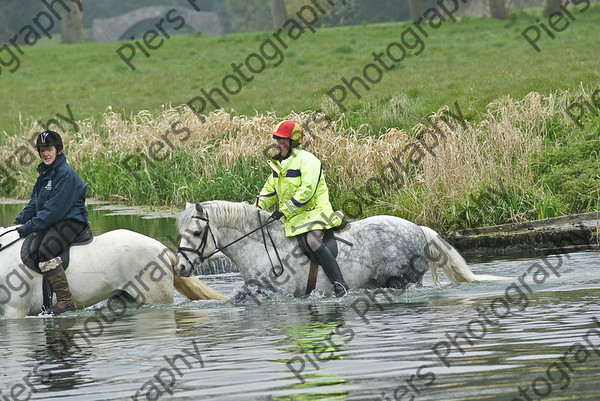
x=58 y=194
x=56 y=212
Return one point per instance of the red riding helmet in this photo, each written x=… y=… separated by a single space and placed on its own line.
x=289 y=129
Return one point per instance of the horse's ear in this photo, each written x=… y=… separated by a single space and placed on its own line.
x=199 y=209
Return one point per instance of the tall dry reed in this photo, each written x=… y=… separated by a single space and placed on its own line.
x=500 y=146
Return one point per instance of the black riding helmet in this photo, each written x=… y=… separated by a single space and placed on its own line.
x=49 y=138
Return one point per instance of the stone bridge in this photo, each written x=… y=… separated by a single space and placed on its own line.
x=113 y=29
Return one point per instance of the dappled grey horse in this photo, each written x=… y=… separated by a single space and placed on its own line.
x=379 y=251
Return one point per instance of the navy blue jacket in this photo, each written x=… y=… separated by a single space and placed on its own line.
x=58 y=194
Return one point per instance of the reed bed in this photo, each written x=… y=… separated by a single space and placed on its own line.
x=477 y=175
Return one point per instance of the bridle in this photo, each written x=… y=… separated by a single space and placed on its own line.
x=204 y=241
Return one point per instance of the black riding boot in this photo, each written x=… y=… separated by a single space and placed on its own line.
x=332 y=270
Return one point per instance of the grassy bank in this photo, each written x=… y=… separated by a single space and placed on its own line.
x=516 y=155
x=525 y=159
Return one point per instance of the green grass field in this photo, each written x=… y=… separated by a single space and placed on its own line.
x=544 y=163
x=472 y=61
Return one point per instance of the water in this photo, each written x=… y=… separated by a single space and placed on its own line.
x=155 y=222
x=362 y=347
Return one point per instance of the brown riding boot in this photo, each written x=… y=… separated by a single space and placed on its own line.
x=55 y=274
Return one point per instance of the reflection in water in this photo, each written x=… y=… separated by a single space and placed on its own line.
x=104 y=219
x=313 y=344
x=61 y=363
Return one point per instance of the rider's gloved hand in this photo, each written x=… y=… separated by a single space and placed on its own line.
x=277 y=214
x=22 y=231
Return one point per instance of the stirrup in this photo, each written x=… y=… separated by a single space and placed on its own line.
x=339 y=289
x=53 y=311
x=45 y=312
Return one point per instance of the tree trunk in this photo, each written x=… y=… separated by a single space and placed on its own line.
x=278 y=12
x=416 y=9
x=498 y=9
x=72 y=25
x=552 y=6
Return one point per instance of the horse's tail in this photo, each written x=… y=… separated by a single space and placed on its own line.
x=192 y=287
x=441 y=253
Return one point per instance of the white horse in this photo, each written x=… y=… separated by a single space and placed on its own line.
x=114 y=263
x=379 y=251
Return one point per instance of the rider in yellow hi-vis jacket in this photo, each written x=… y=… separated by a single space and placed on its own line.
x=297 y=188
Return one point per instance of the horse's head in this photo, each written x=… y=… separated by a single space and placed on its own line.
x=198 y=240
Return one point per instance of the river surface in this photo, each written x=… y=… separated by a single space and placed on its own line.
x=503 y=340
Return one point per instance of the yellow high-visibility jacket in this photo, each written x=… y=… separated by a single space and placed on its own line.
x=297 y=186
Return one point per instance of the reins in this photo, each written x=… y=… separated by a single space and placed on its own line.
x=274 y=247
x=10 y=243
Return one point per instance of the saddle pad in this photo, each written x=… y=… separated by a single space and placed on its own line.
x=31 y=246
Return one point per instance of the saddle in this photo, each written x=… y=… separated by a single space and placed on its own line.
x=31 y=259
x=31 y=246
x=329 y=240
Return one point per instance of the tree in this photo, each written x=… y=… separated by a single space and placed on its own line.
x=498 y=9
x=14 y=15
x=416 y=9
x=249 y=15
x=72 y=25
x=552 y=6
x=279 y=13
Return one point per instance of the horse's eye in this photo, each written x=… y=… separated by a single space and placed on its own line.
x=197 y=233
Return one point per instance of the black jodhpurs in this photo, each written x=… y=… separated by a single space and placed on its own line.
x=58 y=236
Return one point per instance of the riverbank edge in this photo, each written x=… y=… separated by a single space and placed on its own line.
x=564 y=234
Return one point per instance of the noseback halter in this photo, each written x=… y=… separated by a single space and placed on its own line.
x=204 y=241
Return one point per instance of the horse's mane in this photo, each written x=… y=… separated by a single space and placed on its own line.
x=224 y=213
